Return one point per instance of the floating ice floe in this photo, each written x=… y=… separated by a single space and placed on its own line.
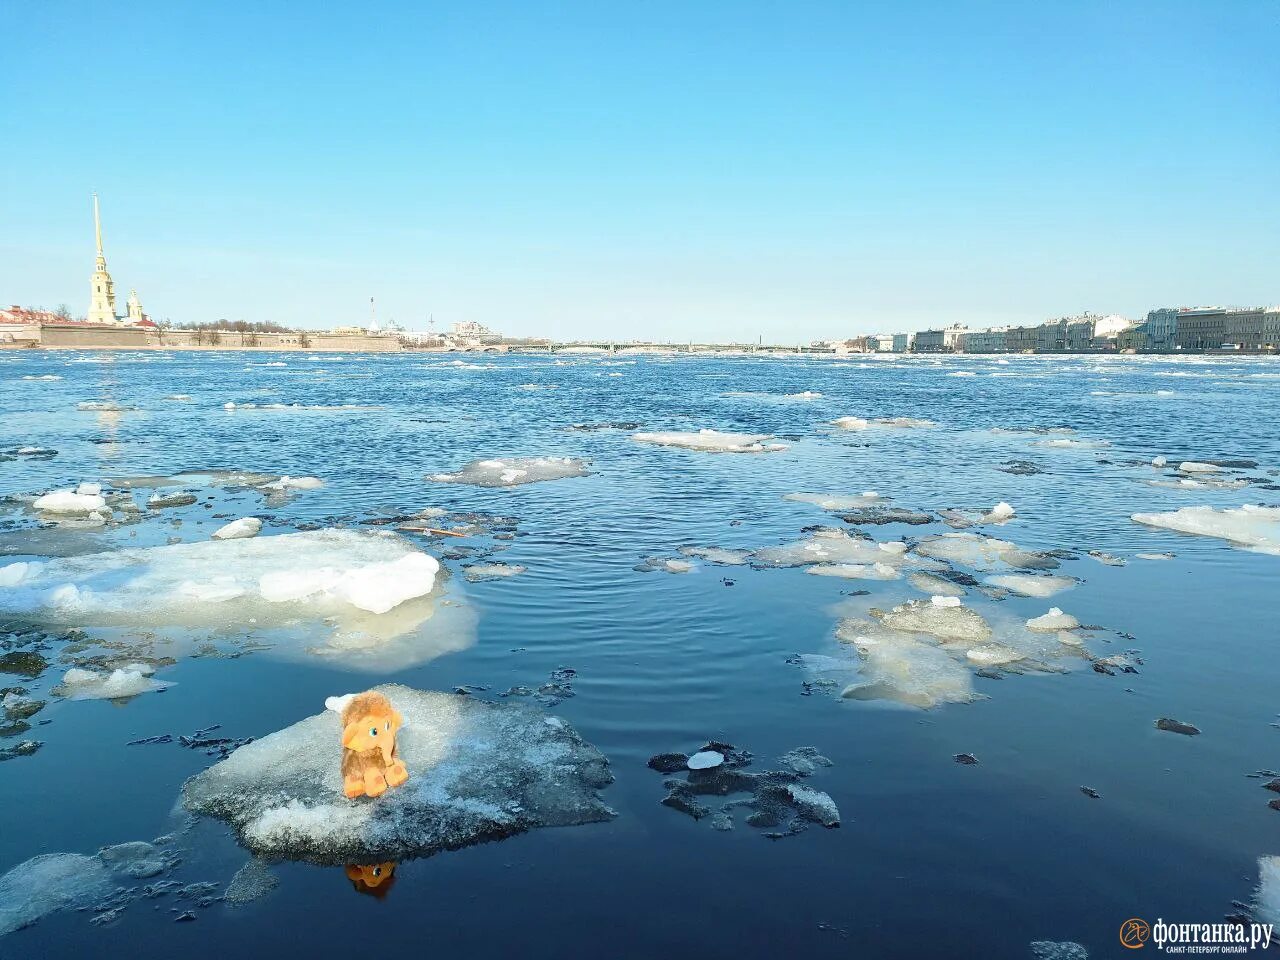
x=1195 y=466
x=960 y=519
x=712 y=441
x=1204 y=482
x=855 y=571
x=477 y=771
x=943 y=617
x=104 y=406
x=837 y=502
x=514 y=471
x=382 y=602
x=493 y=571
x=983 y=553
x=1053 y=621
x=69 y=501
x=831 y=547
x=71 y=881
x=899 y=667
x=287 y=482
x=1067 y=443
x=47 y=376
x=1029 y=586
x=665 y=565
x=899 y=423
x=720 y=555
x=119 y=684
x=935 y=586
x=196 y=478
x=705 y=760
x=1253 y=527
x=238 y=529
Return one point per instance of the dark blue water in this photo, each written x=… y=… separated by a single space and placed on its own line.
x=933 y=858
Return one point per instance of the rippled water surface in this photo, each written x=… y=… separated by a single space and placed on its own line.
x=932 y=857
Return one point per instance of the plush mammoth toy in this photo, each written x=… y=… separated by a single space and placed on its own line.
x=370 y=762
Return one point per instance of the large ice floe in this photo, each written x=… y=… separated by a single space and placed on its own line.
x=1254 y=527
x=514 y=471
x=712 y=441
x=370 y=597
x=477 y=771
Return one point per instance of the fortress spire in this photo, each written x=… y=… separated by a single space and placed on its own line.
x=102 y=292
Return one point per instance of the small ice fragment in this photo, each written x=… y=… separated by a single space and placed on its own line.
x=89 y=489
x=514 y=471
x=239 y=529
x=1029 y=586
x=705 y=760
x=999 y=513
x=1195 y=466
x=67 y=501
x=1055 y=619
x=945 y=601
x=711 y=441
x=1160 y=461
x=128 y=681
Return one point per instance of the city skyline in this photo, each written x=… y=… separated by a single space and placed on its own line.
x=723 y=173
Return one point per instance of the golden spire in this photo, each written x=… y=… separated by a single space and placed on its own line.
x=97 y=224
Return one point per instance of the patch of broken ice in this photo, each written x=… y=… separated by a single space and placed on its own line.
x=712 y=441
x=477 y=771
x=1252 y=527
x=514 y=471
x=983 y=553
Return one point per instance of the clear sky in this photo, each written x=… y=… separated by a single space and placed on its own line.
x=668 y=170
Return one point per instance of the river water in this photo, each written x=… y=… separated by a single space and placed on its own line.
x=932 y=857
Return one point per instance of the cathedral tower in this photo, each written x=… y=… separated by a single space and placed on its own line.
x=102 y=293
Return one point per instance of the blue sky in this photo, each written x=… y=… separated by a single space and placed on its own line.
x=657 y=170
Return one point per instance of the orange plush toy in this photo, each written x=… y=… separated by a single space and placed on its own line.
x=370 y=762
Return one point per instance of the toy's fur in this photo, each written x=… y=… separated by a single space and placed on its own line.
x=375 y=878
x=370 y=761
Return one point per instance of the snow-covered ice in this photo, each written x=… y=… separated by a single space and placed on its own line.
x=898 y=423
x=855 y=571
x=1029 y=586
x=1254 y=527
x=1054 y=620
x=712 y=441
x=69 y=501
x=837 y=502
x=477 y=771
x=238 y=529
x=829 y=546
x=369 y=596
x=128 y=681
x=514 y=471
x=705 y=760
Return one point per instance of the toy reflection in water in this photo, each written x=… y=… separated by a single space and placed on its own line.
x=375 y=879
